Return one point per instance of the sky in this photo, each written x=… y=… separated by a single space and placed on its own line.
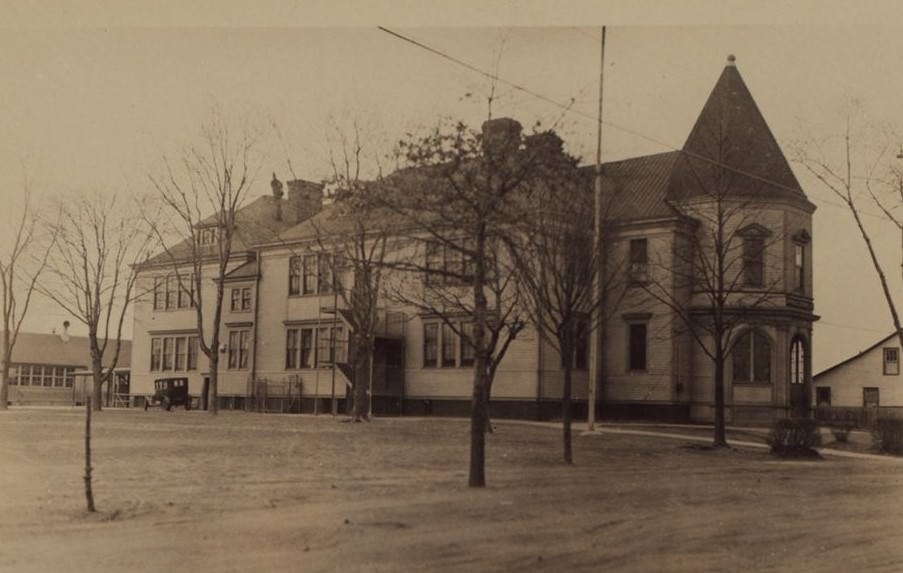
x=95 y=93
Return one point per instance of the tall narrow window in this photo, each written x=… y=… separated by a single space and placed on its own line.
x=430 y=345
x=637 y=343
x=754 y=261
x=238 y=349
x=891 y=361
x=639 y=260
x=192 y=353
x=751 y=355
x=325 y=275
x=180 y=353
x=294 y=275
x=448 y=345
x=307 y=348
x=799 y=267
x=159 y=293
x=167 y=353
x=310 y=270
x=467 y=352
x=798 y=361
x=324 y=346
x=156 y=353
x=291 y=348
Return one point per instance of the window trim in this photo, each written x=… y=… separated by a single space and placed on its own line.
x=885 y=363
x=751 y=367
x=158 y=347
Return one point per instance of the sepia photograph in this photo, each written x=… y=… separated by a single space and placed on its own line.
x=310 y=286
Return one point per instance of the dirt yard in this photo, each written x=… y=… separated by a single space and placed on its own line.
x=185 y=491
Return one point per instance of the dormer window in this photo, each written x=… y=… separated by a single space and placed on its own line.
x=207 y=236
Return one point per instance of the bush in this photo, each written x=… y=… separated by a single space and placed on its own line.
x=794 y=437
x=887 y=435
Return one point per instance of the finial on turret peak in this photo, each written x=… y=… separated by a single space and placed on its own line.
x=731 y=61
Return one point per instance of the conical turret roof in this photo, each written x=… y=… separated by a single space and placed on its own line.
x=731 y=150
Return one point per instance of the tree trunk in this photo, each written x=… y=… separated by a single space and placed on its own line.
x=720 y=438
x=478 y=414
x=97 y=382
x=566 y=414
x=212 y=401
x=362 y=359
x=89 y=492
x=477 y=474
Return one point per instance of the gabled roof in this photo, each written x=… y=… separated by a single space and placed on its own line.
x=259 y=221
x=243 y=271
x=858 y=355
x=731 y=131
x=36 y=348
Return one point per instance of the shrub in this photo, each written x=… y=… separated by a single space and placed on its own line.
x=887 y=435
x=794 y=437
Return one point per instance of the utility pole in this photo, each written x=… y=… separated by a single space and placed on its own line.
x=596 y=357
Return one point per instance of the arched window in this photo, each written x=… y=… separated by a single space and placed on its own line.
x=798 y=361
x=752 y=358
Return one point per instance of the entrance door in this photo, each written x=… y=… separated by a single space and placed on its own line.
x=800 y=391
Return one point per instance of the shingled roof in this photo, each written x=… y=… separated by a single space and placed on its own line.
x=260 y=221
x=731 y=145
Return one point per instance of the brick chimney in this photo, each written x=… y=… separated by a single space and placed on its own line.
x=305 y=199
x=501 y=136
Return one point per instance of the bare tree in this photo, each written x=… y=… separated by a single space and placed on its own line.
x=202 y=192
x=92 y=272
x=457 y=200
x=21 y=267
x=558 y=267
x=861 y=168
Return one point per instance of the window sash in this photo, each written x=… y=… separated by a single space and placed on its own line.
x=468 y=355
x=430 y=345
x=294 y=275
x=448 y=346
x=754 y=261
x=637 y=350
x=891 y=361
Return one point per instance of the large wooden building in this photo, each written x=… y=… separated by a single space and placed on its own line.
x=286 y=335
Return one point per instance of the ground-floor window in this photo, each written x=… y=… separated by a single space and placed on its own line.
x=174 y=353
x=823 y=396
x=752 y=358
x=637 y=346
x=870 y=397
x=239 y=345
x=315 y=346
x=448 y=345
x=798 y=361
x=42 y=375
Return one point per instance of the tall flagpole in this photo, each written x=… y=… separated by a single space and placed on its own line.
x=597 y=247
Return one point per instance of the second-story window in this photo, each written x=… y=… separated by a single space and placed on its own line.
x=173 y=292
x=639 y=261
x=241 y=299
x=754 y=261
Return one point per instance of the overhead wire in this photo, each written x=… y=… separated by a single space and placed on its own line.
x=569 y=108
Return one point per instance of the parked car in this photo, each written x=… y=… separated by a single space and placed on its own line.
x=169 y=392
